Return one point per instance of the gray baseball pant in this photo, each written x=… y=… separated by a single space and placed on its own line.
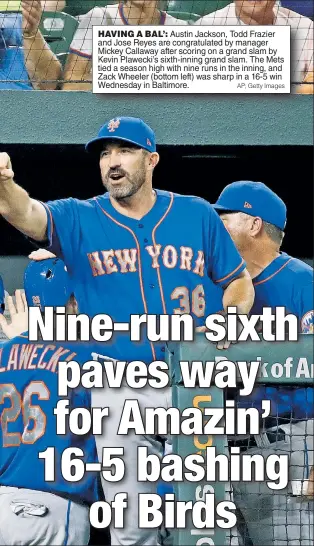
x=36 y=517
x=114 y=398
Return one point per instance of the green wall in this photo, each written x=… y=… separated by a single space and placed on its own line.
x=59 y=117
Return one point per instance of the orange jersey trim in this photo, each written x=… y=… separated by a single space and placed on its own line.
x=154 y=243
x=273 y=274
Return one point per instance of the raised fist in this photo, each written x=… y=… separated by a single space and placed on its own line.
x=6 y=172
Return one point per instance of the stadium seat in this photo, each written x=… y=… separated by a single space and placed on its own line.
x=200 y=7
x=184 y=15
x=58 y=30
x=79 y=7
x=304 y=7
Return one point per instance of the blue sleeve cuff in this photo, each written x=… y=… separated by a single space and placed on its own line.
x=52 y=243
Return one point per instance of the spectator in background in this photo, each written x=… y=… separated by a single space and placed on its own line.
x=53 y=5
x=13 y=71
x=130 y=12
x=26 y=60
x=41 y=63
x=270 y=12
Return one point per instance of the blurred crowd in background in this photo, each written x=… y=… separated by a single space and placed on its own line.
x=47 y=44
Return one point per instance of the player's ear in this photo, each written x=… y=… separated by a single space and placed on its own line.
x=256 y=226
x=153 y=159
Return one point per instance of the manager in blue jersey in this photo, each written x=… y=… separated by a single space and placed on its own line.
x=34 y=510
x=256 y=219
x=133 y=250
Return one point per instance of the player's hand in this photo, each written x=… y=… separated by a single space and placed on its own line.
x=18 y=315
x=32 y=12
x=6 y=172
x=224 y=344
x=41 y=254
x=221 y=345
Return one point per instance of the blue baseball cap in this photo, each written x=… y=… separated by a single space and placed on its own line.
x=133 y=130
x=255 y=199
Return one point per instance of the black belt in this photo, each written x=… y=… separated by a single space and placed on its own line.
x=248 y=443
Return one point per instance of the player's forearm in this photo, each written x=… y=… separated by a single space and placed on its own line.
x=240 y=294
x=21 y=211
x=43 y=67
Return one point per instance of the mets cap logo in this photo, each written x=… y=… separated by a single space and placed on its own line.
x=113 y=125
x=307 y=323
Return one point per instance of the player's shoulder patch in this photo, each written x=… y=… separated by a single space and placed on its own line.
x=307 y=323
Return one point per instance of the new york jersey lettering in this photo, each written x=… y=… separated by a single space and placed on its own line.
x=105 y=262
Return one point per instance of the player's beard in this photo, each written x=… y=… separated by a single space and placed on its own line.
x=128 y=187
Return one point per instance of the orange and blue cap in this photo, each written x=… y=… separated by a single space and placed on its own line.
x=255 y=199
x=127 y=129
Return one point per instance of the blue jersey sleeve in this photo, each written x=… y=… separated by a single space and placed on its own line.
x=214 y=296
x=305 y=307
x=63 y=229
x=225 y=262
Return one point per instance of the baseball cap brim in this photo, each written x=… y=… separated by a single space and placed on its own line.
x=95 y=145
x=226 y=209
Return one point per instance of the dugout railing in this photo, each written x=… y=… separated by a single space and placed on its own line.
x=288 y=363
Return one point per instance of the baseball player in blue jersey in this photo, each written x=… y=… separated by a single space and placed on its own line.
x=133 y=250
x=256 y=218
x=33 y=511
